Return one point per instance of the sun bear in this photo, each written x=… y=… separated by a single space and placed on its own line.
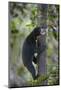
x=29 y=49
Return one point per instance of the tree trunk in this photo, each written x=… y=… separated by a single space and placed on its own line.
x=41 y=41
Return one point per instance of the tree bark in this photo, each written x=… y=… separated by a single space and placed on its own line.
x=41 y=41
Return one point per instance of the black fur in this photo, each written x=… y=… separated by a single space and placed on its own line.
x=28 y=51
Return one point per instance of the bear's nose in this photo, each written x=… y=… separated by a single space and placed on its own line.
x=42 y=31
